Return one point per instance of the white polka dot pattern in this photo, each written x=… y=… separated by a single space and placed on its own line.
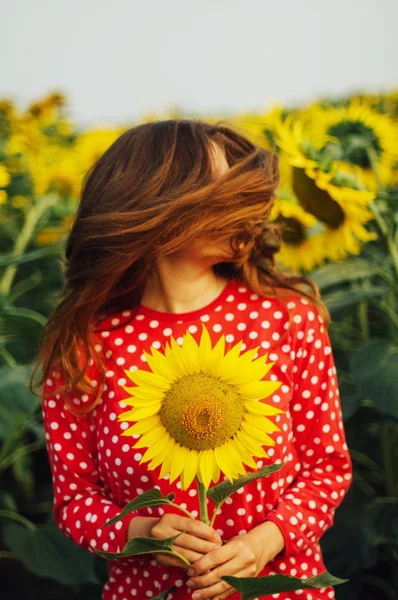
x=95 y=471
x=81 y=504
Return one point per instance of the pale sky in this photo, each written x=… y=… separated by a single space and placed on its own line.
x=121 y=59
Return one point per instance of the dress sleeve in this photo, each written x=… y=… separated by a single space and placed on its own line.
x=306 y=509
x=81 y=504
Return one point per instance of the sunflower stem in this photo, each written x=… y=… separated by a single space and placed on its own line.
x=373 y=161
x=376 y=212
x=8 y=514
x=386 y=234
x=24 y=237
x=182 y=509
x=213 y=518
x=204 y=517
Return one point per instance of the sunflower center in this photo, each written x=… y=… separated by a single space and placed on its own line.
x=315 y=200
x=201 y=411
x=354 y=138
x=293 y=232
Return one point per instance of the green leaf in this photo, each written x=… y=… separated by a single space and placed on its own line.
x=22 y=468
x=253 y=587
x=148 y=498
x=17 y=401
x=374 y=368
x=220 y=492
x=163 y=595
x=9 y=259
x=342 y=298
x=47 y=553
x=142 y=545
x=349 y=270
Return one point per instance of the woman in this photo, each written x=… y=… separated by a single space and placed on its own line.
x=173 y=231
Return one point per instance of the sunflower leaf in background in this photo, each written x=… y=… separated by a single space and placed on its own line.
x=350 y=270
x=374 y=368
x=47 y=553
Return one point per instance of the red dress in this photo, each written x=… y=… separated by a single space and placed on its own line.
x=95 y=471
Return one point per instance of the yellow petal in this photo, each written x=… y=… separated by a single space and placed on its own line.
x=142 y=426
x=260 y=408
x=147 y=379
x=165 y=452
x=151 y=437
x=137 y=401
x=191 y=350
x=156 y=449
x=247 y=458
x=159 y=365
x=258 y=389
x=250 y=372
x=251 y=444
x=224 y=462
x=205 y=348
x=175 y=354
x=167 y=460
x=145 y=411
x=217 y=356
x=216 y=472
x=143 y=392
x=190 y=469
x=257 y=433
x=261 y=422
x=249 y=354
x=127 y=416
x=206 y=466
x=229 y=363
x=179 y=460
x=234 y=454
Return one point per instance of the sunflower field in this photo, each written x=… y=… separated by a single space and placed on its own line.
x=337 y=204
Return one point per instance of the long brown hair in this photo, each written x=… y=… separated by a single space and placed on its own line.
x=150 y=193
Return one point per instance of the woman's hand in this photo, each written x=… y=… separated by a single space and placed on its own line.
x=243 y=556
x=197 y=540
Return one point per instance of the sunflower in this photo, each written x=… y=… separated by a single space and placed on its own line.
x=296 y=145
x=342 y=210
x=259 y=127
x=5 y=177
x=365 y=140
x=200 y=411
x=303 y=242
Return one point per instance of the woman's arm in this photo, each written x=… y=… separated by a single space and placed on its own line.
x=306 y=509
x=81 y=504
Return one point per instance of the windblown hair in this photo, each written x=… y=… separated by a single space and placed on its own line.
x=151 y=193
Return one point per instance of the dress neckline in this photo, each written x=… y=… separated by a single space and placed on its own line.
x=188 y=316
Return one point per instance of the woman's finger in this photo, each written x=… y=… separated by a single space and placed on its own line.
x=208 y=579
x=221 y=589
x=201 y=530
x=169 y=560
x=192 y=542
x=212 y=559
x=226 y=594
x=190 y=555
